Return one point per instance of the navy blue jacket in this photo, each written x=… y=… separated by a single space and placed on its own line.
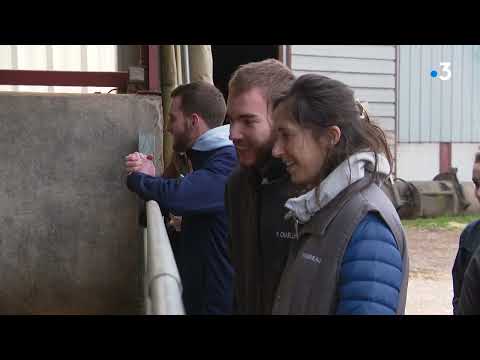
x=202 y=258
x=371 y=272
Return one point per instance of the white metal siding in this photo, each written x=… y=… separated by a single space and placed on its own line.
x=421 y=161
x=432 y=110
x=417 y=162
x=463 y=157
x=369 y=69
x=58 y=57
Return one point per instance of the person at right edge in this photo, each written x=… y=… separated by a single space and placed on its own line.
x=466 y=269
x=350 y=257
x=256 y=191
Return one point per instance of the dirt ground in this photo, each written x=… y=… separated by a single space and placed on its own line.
x=432 y=254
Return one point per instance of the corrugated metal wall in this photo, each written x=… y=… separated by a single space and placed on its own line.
x=58 y=57
x=369 y=69
x=432 y=110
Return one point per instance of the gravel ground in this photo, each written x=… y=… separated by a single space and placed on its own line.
x=432 y=254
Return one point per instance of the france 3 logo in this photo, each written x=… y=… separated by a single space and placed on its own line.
x=446 y=72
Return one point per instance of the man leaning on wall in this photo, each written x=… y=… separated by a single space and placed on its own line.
x=196 y=115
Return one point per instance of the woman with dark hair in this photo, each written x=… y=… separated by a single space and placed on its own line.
x=350 y=255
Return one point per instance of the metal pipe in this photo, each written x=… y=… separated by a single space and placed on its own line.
x=185 y=64
x=200 y=63
x=169 y=82
x=164 y=285
x=148 y=303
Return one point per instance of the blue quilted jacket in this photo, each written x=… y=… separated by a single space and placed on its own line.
x=371 y=272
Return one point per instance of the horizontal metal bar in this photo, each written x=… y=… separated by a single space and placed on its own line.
x=117 y=79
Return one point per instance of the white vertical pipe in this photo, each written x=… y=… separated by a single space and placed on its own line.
x=148 y=302
x=163 y=279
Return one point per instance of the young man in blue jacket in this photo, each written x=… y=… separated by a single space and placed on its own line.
x=197 y=111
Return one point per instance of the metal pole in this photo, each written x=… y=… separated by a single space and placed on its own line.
x=148 y=303
x=185 y=64
x=163 y=280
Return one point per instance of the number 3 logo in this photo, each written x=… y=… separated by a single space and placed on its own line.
x=447 y=73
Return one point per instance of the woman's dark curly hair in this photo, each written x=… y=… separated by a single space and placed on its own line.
x=317 y=102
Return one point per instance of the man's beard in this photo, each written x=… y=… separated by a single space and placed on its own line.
x=179 y=146
x=263 y=154
x=181 y=143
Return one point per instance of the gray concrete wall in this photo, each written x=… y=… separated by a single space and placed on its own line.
x=68 y=224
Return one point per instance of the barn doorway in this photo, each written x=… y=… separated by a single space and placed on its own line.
x=227 y=58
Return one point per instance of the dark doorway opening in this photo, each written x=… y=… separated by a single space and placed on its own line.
x=227 y=58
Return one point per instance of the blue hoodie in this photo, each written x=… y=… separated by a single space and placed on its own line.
x=202 y=257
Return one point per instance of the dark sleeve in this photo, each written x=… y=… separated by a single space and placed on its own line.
x=461 y=261
x=371 y=272
x=199 y=192
x=469 y=301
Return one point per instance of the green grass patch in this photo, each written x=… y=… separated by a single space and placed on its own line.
x=440 y=223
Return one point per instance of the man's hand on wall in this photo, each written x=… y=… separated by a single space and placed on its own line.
x=138 y=162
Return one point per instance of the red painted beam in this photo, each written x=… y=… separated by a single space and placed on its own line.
x=153 y=68
x=445 y=156
x=65 y=78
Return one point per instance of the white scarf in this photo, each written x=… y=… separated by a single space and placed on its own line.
x=306 y=205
